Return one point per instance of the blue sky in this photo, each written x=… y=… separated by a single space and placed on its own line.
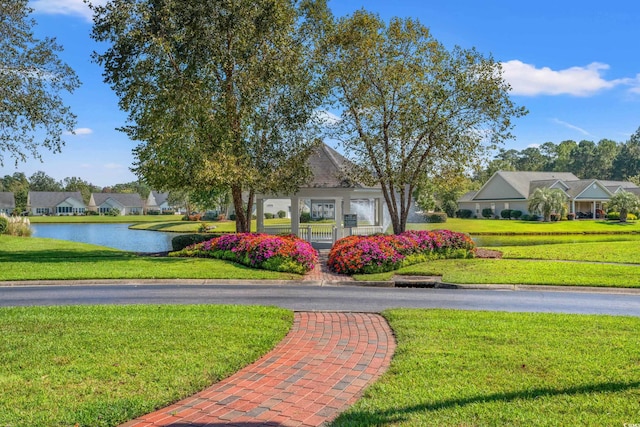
x=573 y=64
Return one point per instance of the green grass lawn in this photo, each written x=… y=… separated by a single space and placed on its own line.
x=49 y=259
x=454 y=368
x=103 y=365
x=483 y=226
x=540 y=260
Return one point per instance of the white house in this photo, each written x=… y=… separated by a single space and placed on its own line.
x=7 y=202
x=512 y=190
x=125 y=203
x=158 y=202
x=55 y=203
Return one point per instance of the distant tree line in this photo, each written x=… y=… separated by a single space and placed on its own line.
x=20 y=185
x=605 y=160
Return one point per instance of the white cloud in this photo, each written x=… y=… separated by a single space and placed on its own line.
x=570 y=126
x=114 y=166
x=65 y=7
x=533 y=146
x=526 y=79
x=328 y=118
x=80 y=131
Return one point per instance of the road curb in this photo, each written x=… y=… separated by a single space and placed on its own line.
x=427 y=283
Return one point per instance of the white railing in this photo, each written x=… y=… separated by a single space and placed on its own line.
x=278 y=229
x=324 y=232
x=364 y=230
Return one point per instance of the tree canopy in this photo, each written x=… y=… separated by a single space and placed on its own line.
x=219 y=94
x=547 y=201
x=32 y=82
x=410 y=106
x=624 y=202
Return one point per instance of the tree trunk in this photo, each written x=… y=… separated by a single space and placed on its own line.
x=623 y=215
x=241 y=220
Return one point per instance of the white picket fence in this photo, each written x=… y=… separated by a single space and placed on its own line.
x=324 y=233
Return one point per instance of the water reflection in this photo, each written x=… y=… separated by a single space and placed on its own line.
x=117 y=236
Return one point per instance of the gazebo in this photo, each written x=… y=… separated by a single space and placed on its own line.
x=356 y=208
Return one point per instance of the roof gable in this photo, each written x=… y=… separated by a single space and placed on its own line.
x=327 y=169
x=588 y=189
x=123 y=199
x=509 y=185
x=52 y=198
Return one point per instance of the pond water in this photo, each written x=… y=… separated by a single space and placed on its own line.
x=117 y=236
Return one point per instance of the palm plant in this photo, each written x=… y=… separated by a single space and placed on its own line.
x=547 y=201
x=624 y=202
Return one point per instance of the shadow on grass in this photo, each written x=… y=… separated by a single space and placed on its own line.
x=64 y=255
x=401 y=414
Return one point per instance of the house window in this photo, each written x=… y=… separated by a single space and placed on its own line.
x=64 y=210
x=506 y=205
x=493 y=207
x=477 y=208
x=322 y=210
x=42 y=211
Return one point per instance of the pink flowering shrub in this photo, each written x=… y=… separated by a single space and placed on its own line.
x=278 y=253
x=379 y=253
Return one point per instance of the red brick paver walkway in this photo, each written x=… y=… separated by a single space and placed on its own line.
x=316 y=372
x=321 y=271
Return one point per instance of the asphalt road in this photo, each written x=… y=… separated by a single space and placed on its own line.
x=325 y=298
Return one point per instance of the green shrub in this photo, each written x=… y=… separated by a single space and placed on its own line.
x=555 y=217
x=616 y=216
x=506 y=213
x=114 y=212
x=571 y=216
x=3 y=223
x=515 y=214
x=268 y=215
x=435 y=217
x=182 y=241
x=305 y=217
x=464 y=213
x=153 y=212
x=487 y=213
x=282 y=214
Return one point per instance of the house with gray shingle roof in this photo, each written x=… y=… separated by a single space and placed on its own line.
x=157 y=201
x=55 y=203
x=125 y=203
x=329 y=195
x=7 y=202
x=512 y=190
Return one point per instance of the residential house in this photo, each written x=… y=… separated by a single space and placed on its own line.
x=125 y=203
x=55 y=203
x=7 y=203
x=158 y=202
x=512 y=190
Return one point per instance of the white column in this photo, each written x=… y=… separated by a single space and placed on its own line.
x=380 y=216
x=338 y=211
x=295 y=215
x=260 y=215
x=593 y=211
x=347 y=204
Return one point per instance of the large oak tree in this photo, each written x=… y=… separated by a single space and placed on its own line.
x=412 y=108
x=32 y=82
x=219 y=94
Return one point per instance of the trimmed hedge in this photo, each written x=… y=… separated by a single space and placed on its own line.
x=182 y=241
x=436 y=217
x=464 y=213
